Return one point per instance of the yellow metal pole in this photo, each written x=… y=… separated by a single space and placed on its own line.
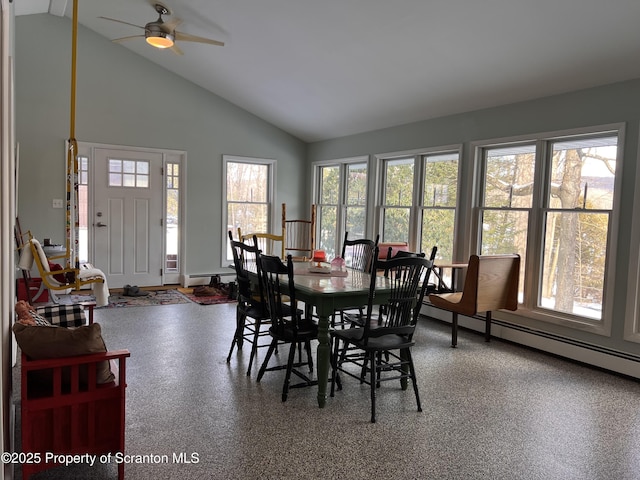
x=72 y=156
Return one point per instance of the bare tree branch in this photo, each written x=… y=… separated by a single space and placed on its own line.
x=608 y=162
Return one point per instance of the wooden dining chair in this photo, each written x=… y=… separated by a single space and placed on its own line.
x=358 y=254
x=288 y=324
x=300 y=235
x=386 y=337
x=251 y=310
x=491 y=283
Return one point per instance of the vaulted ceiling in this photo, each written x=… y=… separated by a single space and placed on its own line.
x=325 y=69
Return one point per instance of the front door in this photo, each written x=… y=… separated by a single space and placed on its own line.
x=127 y=216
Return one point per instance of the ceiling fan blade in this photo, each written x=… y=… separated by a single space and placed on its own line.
x=175 y=49
x=120 y=21
x=185 y=37
x=122 y=39
x=171 y=25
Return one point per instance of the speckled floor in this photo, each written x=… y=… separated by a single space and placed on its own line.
x=491 y=411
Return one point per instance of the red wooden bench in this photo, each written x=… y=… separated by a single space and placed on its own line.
x=65 y=410
x=72 y=414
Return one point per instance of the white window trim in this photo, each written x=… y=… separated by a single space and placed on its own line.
x=602 y=327
x=271 y=189
x=632 y=316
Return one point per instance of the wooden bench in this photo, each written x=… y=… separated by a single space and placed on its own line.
x=491 y=283
x=64 y=410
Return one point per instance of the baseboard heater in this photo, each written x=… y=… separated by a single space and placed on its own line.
x=583 y=352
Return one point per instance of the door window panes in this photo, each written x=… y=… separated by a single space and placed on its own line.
x=128 y=173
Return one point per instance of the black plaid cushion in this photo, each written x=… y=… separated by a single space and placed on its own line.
x=40 y=320
x=64 y=315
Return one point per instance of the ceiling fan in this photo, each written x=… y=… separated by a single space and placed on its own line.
x=161 y=34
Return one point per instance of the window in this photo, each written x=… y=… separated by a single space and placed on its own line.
x=341 y=202
x=553 y=199
x=507 y=201
x=439 y=203
x=419 y=200
x=249 y=196
x=172 y=215
x=397 y=199
x=83 y=208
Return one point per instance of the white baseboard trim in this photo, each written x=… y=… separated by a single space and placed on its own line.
x=203 y=278
x=590 y=354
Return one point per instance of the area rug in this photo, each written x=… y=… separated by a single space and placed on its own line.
x=216 y=299
x=154 y=297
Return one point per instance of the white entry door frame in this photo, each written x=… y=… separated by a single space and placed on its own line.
x=127 y=214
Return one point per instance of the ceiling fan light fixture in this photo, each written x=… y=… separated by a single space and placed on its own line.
x=159 y=39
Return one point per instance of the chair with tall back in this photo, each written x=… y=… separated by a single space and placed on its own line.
x=251 y=309
x=358 y=254
x=491 y=283
x=269 y=243
x=288 y=325
x=386 y=341
x=300 y=235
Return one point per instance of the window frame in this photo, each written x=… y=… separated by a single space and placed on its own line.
x=385 y=206
x=632 y=311
x=418 y=208
x=536 y=230
x=342 y=204
x=271 y=189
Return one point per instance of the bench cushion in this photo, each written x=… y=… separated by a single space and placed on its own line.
x=64 y=315
x=40 y=343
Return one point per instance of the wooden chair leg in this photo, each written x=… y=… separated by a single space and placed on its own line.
x=254 y=347
x=412 y=371
x=487 y=331
x=307 y=347
x=335 y=377
x=372 y=363
x=263 y=368
x=454 y=330
x=287 y=377
x=237 y=336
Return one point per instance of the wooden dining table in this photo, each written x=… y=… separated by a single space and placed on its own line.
x=328 y=293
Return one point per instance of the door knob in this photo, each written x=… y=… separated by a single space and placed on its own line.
x=100 y=224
